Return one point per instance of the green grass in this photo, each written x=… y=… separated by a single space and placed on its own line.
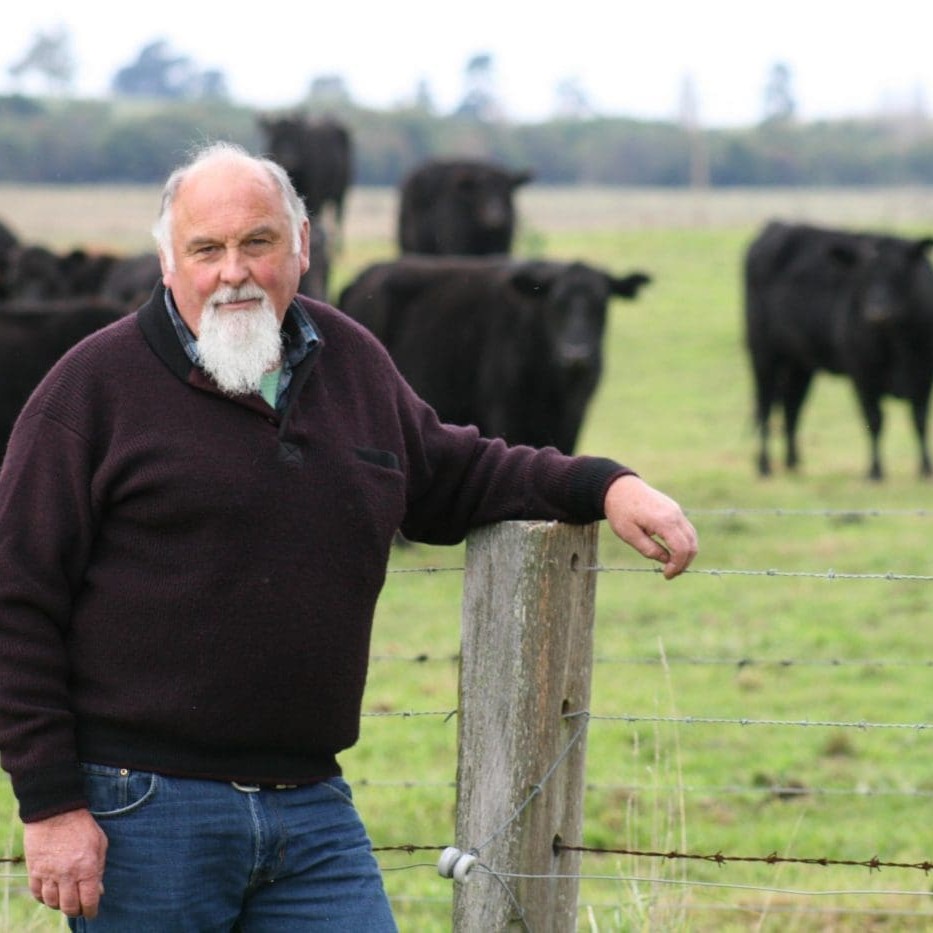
x=675 y=403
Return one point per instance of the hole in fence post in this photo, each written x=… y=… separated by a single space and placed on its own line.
x=574 y=562
x=556 y=845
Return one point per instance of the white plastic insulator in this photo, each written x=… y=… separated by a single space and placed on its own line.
x=455 y=864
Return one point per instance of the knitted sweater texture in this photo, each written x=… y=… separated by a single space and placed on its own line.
x=188 y=580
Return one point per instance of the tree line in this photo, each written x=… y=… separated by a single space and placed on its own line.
x=139 y=140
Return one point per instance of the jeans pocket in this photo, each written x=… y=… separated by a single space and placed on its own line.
x=116 y=791
x=339 y=788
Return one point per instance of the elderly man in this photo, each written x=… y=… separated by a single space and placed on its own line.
x=196 y=513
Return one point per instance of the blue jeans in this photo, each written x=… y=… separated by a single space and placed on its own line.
x=192 y=856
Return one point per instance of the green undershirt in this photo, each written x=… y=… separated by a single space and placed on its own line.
x=269 y=385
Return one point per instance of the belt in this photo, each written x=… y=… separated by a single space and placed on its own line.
x=256 y=788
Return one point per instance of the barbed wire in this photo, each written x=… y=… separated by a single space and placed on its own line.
x=743 y=662
x=862 y=725
x=812 y=513
x=692 y=661
x=773 y=858
x=830 y=574
x=889 y=575
x=771 y=789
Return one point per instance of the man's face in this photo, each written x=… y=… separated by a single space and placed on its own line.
x=230 y=229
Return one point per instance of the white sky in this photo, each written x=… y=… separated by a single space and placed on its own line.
x=631 y=59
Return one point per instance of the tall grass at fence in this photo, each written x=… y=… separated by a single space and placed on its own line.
x=781 y=666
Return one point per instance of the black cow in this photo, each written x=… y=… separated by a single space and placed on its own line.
x=8 y=238
x=512 y=347
x=458 y=206
x=35 y=272
x=131 y=279
x=8 y=242
x=318 y=156
x=855 y=304
x=33 y=335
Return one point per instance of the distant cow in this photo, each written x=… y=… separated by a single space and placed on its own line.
x=318 y=156
x=461 y=206
x=33 y=335
x=856 y=304
x=8 y=242
x=512 y=347
x=131 y=279
x=7 y=238
x=35 y=272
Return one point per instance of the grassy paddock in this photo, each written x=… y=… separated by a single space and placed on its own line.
x=777 y=652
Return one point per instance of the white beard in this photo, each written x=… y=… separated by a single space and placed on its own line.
x=238 y=347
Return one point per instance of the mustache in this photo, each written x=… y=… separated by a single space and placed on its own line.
x=230 y=293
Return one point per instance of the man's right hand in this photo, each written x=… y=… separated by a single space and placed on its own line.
x=65 y=861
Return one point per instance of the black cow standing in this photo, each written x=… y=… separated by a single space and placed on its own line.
x=9 y=241
x=856 y=304
x=458 y=206
x=33 y=335
x=318 y=156
x=513 y=347
x=37 y=273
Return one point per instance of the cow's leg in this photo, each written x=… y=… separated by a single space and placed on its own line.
x=870 y=402
x=918 y=408
x=795 y=387
x=764 y=399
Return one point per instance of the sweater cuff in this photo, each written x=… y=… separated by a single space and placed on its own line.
x=591 y=482
x=52 y=790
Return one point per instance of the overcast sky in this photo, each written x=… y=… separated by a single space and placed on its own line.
x=631 y=59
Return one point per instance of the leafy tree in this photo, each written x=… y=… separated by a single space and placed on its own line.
x=160 y=73
x=479 y=102
x=779 y=103
x=573 y=103
x=50 y=56
x=328 y=92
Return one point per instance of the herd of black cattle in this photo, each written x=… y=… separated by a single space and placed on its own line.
x=515 y=346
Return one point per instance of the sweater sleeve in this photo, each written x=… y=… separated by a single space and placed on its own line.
x=45 y=536
x=459 y=480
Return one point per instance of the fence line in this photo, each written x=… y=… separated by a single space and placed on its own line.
x=813 y=513
x=744 y=790
x=862 y=724
x=725 y=572
x=688 y=661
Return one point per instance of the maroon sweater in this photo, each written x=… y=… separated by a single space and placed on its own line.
x=187 y=581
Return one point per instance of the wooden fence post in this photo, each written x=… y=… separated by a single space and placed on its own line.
x=526 y=662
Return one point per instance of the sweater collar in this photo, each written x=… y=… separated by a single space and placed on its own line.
x=172 y=341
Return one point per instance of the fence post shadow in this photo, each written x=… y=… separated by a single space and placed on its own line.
x=524 y=693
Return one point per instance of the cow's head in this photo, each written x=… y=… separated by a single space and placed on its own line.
x=884 y=271
x=571 y=300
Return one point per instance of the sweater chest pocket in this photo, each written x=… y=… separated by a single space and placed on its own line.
x=371 y=492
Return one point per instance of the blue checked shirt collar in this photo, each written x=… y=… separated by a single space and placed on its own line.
x=295 y=349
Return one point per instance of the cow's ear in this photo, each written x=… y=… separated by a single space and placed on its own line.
x=532 y=279
x=628 y=286
x=522 y=178
x=921 y=246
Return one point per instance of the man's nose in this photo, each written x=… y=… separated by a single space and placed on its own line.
x=234 y=270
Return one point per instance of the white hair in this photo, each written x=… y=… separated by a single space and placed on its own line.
x=294 y=205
